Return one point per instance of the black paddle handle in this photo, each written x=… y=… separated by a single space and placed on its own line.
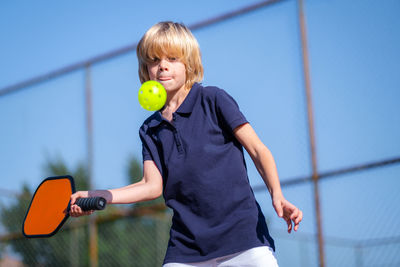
x=91 y=203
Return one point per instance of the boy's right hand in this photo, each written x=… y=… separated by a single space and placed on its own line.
x=289 y=212
x=75 y=210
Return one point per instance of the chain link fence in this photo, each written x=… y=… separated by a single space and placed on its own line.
x=135 y=236
x=358 y=181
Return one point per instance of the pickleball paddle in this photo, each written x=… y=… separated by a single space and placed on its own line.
x=49 y=207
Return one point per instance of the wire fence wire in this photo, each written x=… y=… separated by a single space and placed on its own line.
x=124 y=239
x=138 y=235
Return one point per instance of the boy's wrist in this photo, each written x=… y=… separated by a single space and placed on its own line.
x=277 y=193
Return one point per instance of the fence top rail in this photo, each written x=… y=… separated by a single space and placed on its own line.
x=335 y=173
x=126 y=49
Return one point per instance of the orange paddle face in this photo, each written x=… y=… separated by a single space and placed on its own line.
x=48 y=209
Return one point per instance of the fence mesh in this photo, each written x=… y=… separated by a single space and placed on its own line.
x=43 y=129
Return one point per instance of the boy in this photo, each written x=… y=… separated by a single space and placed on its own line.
x=193 y=155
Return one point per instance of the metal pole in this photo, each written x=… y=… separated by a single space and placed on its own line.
x=358 y=249
x=93 y=249
x=315 y=176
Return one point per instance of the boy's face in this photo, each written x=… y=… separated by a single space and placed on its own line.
x=169 y=71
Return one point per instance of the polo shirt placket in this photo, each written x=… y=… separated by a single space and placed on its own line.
x=177 y=137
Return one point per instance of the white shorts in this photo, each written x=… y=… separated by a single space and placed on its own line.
x=254 y=257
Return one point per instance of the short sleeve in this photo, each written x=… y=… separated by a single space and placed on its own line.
x=228 y=110
x=149 y=148
x=146 y=152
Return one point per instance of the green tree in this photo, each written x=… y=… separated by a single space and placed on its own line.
x=42 y=251
x=127 y=241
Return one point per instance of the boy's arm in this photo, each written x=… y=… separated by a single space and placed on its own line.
x=265 y=165
x=149 y=188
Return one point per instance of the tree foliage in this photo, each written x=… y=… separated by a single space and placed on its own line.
x=42 y=251
x=124 y=242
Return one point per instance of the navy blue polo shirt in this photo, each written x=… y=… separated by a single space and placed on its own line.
x=205 y=179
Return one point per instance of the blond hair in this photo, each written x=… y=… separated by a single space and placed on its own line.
x=173 y=40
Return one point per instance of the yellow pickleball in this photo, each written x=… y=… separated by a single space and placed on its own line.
x=152 y=95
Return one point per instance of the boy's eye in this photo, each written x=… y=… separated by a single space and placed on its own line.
x=156 y=59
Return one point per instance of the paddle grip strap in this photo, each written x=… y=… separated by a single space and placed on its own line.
x=91 y=203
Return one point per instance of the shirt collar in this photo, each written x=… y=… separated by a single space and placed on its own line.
x=185 y=108
x=155 y=119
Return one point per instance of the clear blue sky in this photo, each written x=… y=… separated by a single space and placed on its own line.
x=355 y=62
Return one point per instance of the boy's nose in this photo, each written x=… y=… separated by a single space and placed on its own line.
x=163 y=64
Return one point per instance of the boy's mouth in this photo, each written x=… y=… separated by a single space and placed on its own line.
x=164 y=79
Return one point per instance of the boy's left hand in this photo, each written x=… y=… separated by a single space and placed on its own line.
x=289 y=212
